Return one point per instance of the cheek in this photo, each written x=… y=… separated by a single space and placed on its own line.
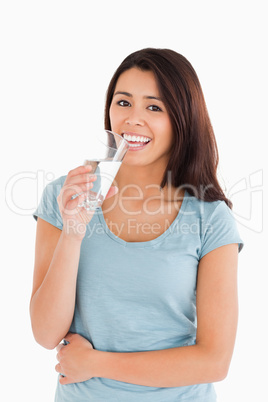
x=164 y=129
x=169 y=131
x=114 y=117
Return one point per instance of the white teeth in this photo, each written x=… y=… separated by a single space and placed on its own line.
x=135 y=145
x=135 y=138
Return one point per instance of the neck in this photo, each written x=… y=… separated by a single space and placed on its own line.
x=144 y=182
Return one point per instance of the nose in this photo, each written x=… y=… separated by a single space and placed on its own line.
x=134 y=118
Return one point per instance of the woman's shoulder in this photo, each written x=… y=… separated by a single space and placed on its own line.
x=207 y=209
x=53 y=187
x=47 y=208
x=216 y=222
x=57 y=183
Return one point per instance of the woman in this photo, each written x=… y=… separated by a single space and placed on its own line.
x=144 y=294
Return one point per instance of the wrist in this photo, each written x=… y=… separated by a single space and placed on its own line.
x=71 y=236
x=101 y=363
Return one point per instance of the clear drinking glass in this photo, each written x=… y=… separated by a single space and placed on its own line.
x=105 y=155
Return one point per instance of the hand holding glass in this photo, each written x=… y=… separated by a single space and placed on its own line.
x=105 y=156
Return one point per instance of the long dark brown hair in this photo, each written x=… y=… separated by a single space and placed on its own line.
x=194 y=158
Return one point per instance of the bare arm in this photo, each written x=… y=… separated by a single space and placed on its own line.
x=206 y=361
x=54 y=284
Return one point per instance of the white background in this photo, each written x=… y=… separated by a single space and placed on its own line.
x=57 y=58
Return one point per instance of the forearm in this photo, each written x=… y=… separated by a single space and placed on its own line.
x=52 y=305
x=163 y=368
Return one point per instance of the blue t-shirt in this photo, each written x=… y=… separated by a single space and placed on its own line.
x=141 y=296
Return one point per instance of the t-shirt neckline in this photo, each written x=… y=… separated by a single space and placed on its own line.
x=148 y=243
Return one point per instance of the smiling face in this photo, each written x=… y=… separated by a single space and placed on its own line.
x=139 y=115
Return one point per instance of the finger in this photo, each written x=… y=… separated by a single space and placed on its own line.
x=69 y=194
x=79 y=170
x=72 y=190
x=58 y=368
x=112 y=191
x=64 y=380
x=81 y=178
x=84 y=215
x=59 y=347
x=75 y=206
x=69 y=336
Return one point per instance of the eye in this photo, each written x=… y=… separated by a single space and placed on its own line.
x=154 y=108
x=123 y=103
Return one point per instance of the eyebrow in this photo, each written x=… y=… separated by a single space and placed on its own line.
x=131 y=96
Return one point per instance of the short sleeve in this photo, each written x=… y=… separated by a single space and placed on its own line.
x=219 y=230
x=48 y=206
